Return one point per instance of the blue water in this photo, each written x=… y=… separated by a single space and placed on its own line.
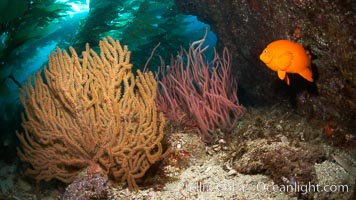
x=33 y=54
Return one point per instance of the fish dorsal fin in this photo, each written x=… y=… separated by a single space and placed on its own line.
x=285 y=60
x=307 y=74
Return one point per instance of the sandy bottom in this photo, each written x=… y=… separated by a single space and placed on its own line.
x=234 y=166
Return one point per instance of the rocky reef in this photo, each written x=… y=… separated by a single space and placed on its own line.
x=325 y=28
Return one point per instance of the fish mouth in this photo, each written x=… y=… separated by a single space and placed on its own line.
x=265 y=58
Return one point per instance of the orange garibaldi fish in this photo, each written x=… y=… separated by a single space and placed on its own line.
x=284 y=56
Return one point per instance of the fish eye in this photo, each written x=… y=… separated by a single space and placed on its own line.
x=265 y=51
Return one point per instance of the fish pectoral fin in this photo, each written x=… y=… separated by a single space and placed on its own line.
x=281 y=75
x=285 y=60
x=307 y=74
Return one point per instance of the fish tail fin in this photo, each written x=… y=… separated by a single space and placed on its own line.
x=307 y=74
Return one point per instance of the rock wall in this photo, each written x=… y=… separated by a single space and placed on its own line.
x=325 y=27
